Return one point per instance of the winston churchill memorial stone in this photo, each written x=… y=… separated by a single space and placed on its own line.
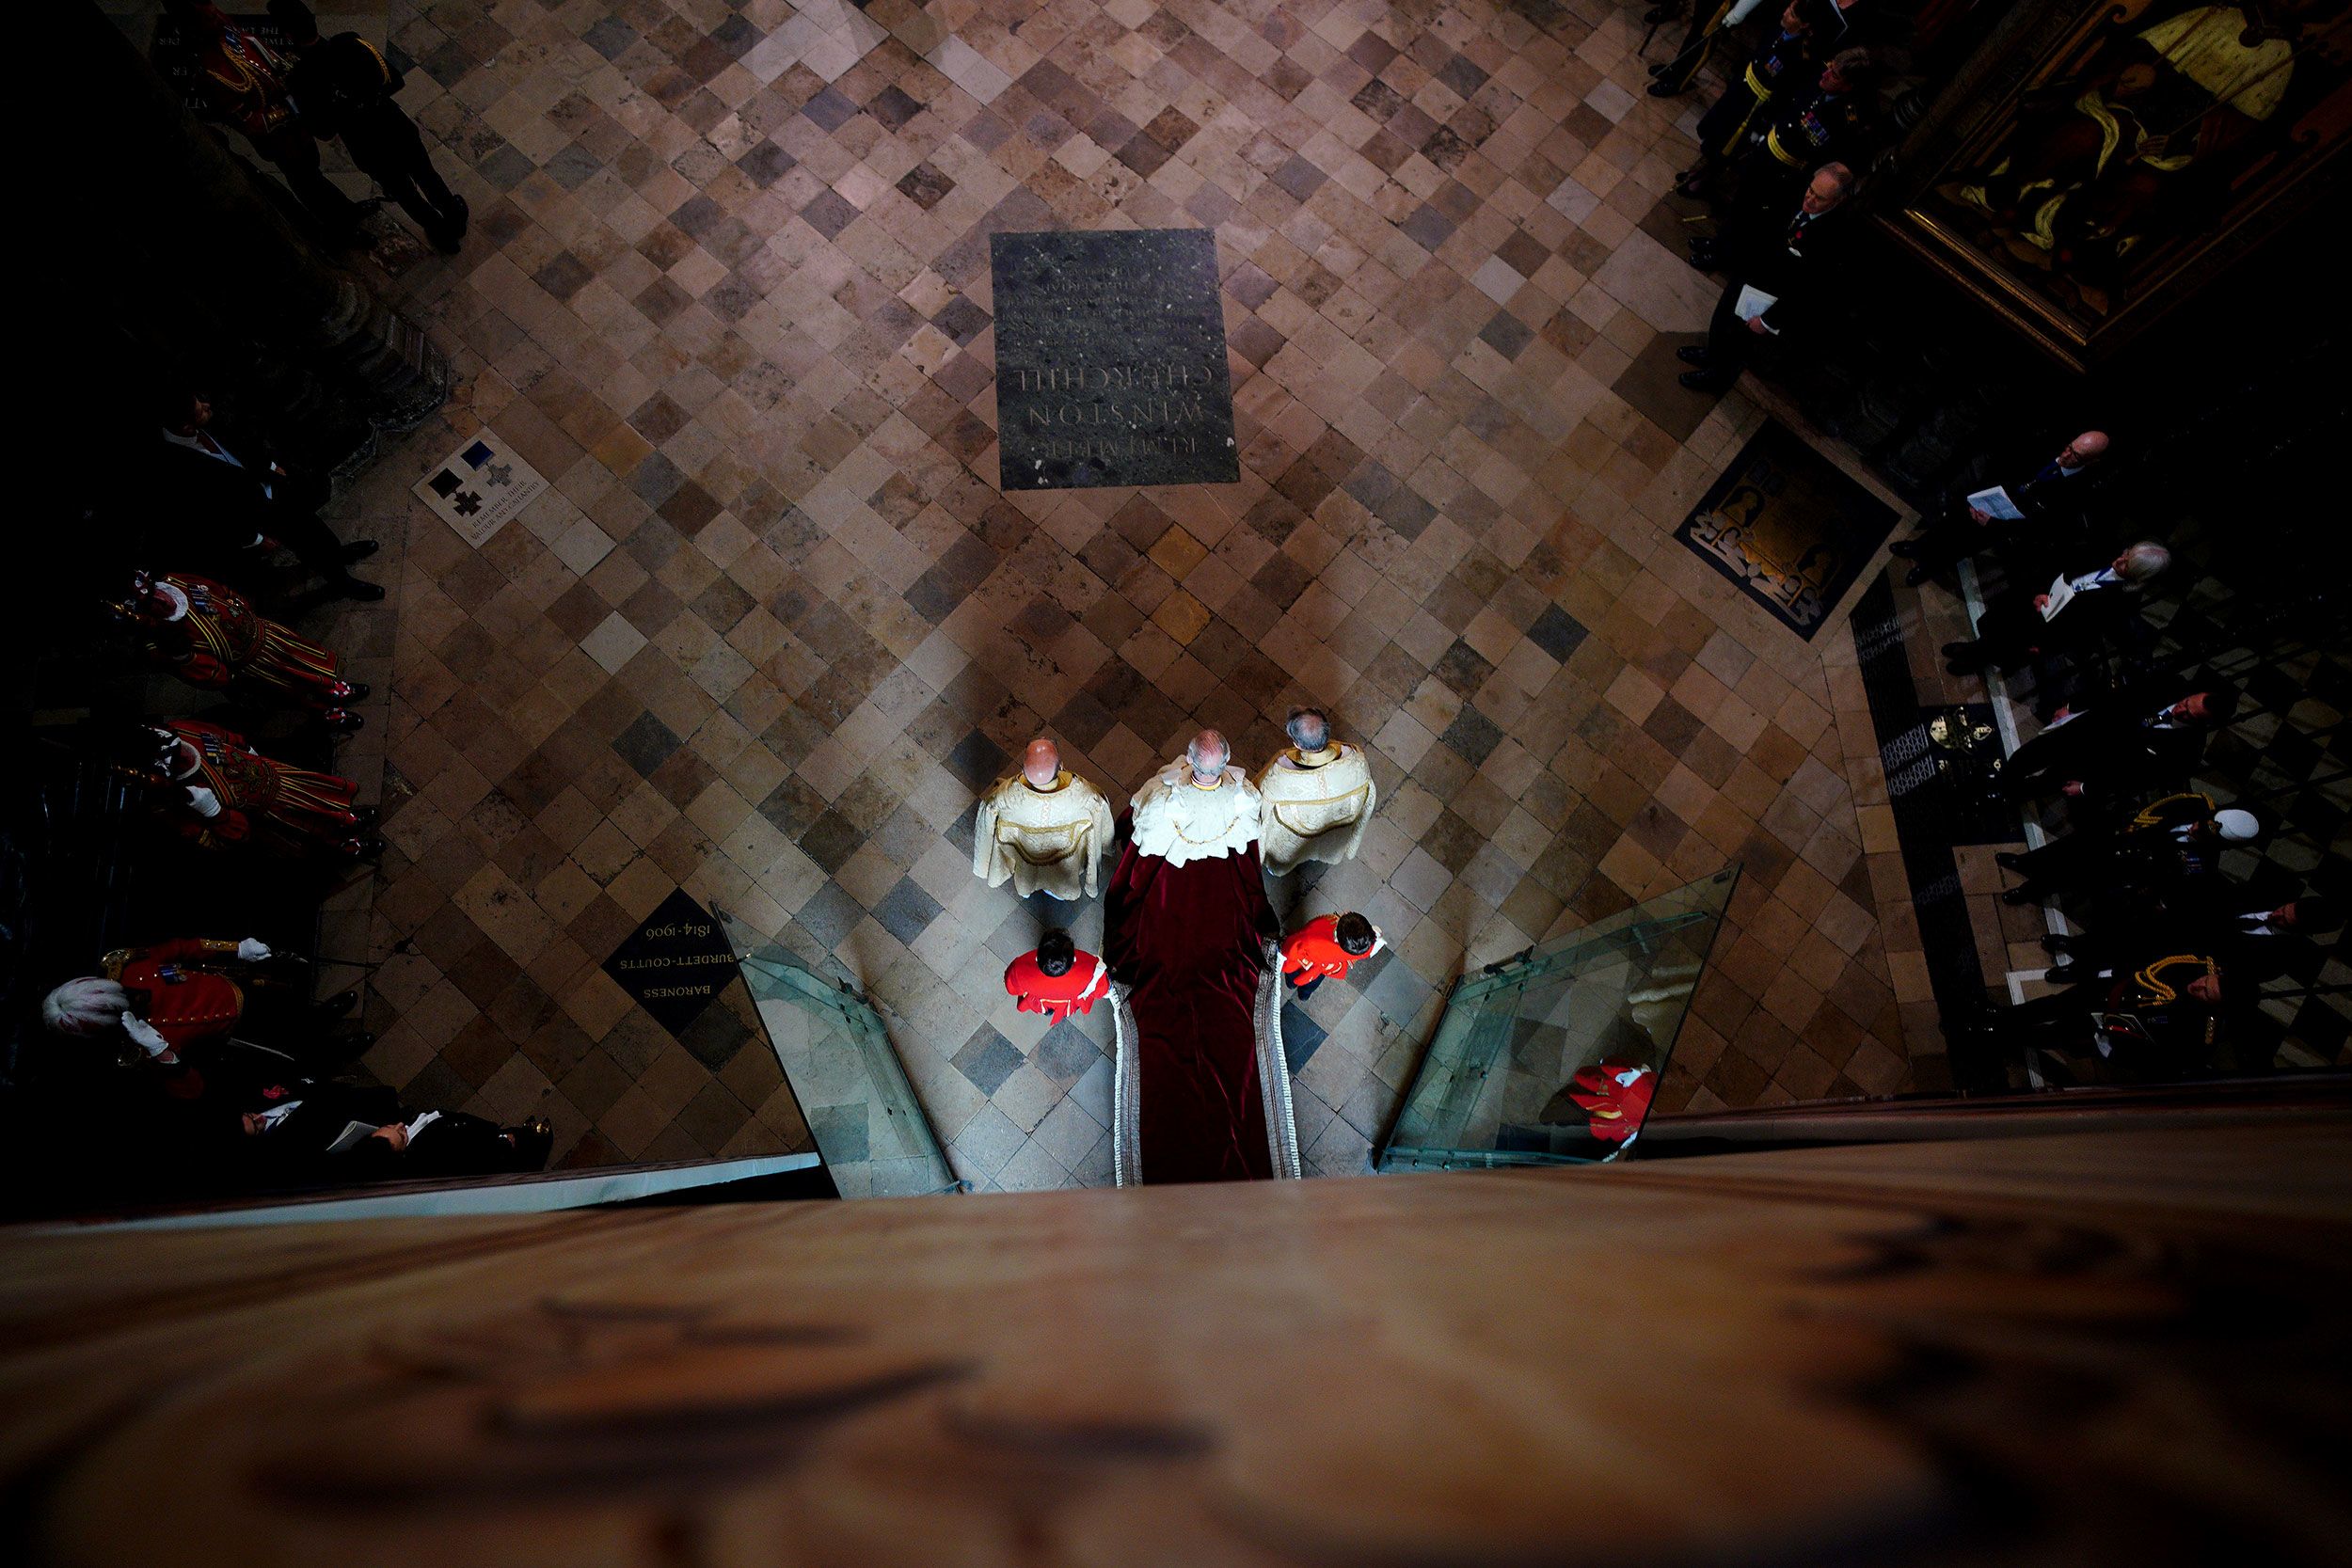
x=1110 y=360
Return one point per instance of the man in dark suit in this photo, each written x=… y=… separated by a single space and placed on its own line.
x=2253 y=945
x=2116 y=745
x=1782 y=262
x=221 y=498
x=313 y=1133
x=2180 y=836
x=2053 y=496
x=2100 y=600
x=343 y=86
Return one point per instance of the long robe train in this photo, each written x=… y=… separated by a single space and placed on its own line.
x=1202 y=1093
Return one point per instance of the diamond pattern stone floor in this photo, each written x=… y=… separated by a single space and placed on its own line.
x=774 y=624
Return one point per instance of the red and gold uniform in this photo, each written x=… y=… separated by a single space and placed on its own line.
x=180 y=988
x=1615 y=1097
x=233 y=796
x=1057 y=996
x=210 y=636
x=243 y=80
x=1313 y=952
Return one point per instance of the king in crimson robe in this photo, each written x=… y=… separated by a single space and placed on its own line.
x=1179 y=819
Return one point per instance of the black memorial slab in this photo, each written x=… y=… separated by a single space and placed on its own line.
x=675 y=963
x=1110 y=360
x=1788 y=526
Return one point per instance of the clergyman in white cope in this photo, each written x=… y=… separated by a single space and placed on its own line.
x=1199 y=807
x=1044 y=828
x=1318 y=795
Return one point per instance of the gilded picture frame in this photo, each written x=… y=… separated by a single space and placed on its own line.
x=2097 y=163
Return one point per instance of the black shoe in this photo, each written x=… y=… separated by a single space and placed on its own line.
x=1957 y=650
x=1667 y=87
x=1904 y=549
x=335 y=1006
x=331 y=1052
x=1705 y=254
x=2057 y=943
x=358 y=692
x=1692 y=354
x=343 y=722
x=448 y=242
x=353 y=588
x=1916 y=576
x=1960 y=667
x=2010 y=859
x=359 y=550
x=366 y=850
x=533 y=1142
x=366 y=817
x=2065 y=975
x=1658 y=16
x=2021 y=896
x=465 y=214
x=1703 y=381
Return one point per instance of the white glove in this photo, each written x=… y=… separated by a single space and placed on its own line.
x=144 y=1032
x=205 y=803
x=253 y=950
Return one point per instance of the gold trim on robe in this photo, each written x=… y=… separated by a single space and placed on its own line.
x=1316 y=812
x=1041 y=840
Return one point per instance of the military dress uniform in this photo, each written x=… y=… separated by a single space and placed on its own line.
x=2136 y=1009
x=211 y=636
x=2165 y=840
x=1722 y=131
x=2151 y=1006
x=181 y=989
x=232 y=796
x=1803 y=128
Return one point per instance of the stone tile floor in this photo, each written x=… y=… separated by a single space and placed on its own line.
x=775 y=625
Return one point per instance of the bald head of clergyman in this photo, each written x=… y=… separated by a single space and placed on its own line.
x=1208 y=753
x=1040 y=763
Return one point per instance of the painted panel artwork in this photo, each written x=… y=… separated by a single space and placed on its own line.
x=2127 y=153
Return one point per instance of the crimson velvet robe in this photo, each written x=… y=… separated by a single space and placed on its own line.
x=1189 y=944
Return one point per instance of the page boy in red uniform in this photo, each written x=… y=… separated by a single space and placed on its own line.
x=1056 y=979
x=1325 y=948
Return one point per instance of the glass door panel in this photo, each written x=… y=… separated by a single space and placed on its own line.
x=1551 y=1057
x=860 y=1107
